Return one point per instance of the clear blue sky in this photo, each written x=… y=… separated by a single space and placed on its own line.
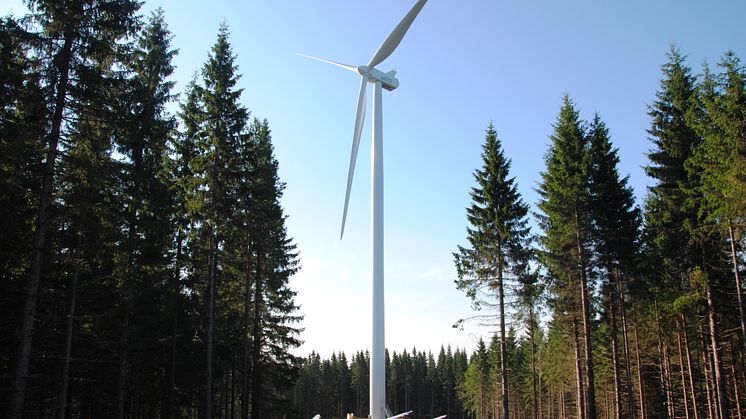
x=462 y=65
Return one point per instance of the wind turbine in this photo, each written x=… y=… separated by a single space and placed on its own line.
x=370 y=74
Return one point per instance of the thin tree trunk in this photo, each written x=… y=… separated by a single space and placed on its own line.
x=585 y=308
x=23 y=353
x=246 y=310
x=70 y=326
x=690 y=369
x=736 y=389
x=615 y=349
x=536 y=399
x=665 y=367
x=625 y=339
x=683 y=375
x=739 y=289
x=640 y=381
x=722 y=396
x=175 y=291
x=711 y=404
x=503 y=345
x=210 y=314
x=123 y=361
x=233 y=383
x=578 y=371
x=256 y=369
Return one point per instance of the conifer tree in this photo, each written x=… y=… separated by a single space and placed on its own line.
x=566 y=221
x=615 y=231
x=719 y=117
x=685 y=246
x=77 y=34
x=498 y=237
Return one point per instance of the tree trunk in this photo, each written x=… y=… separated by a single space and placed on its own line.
x=123 y=361
x=585 y=308
x=578 y=371
x=683 y=375
x=707 y=364
x=503 y=344
x=23 y=354
x=614 y=348
x=722 y=395
x=210 y=314
x=665 y=367
x=640 y=381
x=736 y=389
x=245 y=360
x=256 y=341
x=625 y=339
x=534 y=377
x=690 y=369
x=739 y=288
x=70 y=326
x=176 y=291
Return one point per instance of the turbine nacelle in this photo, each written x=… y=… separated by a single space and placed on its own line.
x=388 y=80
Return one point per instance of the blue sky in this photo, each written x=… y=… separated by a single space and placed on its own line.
x=461 y=65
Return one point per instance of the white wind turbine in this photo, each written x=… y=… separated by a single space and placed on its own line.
x=370 y=74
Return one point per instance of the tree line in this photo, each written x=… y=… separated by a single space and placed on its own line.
x=144 y=262
x=643 y=305
x=611 y=309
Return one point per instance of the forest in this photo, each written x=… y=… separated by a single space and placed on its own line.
x=124 y=201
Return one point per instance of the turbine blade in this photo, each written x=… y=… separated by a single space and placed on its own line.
x=389 y=45
x=345 y=66
x=359 y=121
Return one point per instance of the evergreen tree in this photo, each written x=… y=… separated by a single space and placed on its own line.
x=675 y=216
x=615 y=230
x=719 y=116
x=566 y=221
x=498 y=237
x=76 y=37
x=477 y=385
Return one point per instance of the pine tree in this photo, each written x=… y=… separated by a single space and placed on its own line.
x=498 y=237
x=564 y=201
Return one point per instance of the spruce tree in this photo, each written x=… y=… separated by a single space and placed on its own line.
x=719 y=116
x=675 y=215
x=498 y=238
x=566 y=221
x=78 y=35
x=615 y=231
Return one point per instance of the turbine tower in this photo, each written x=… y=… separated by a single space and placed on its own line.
x=370 y=74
